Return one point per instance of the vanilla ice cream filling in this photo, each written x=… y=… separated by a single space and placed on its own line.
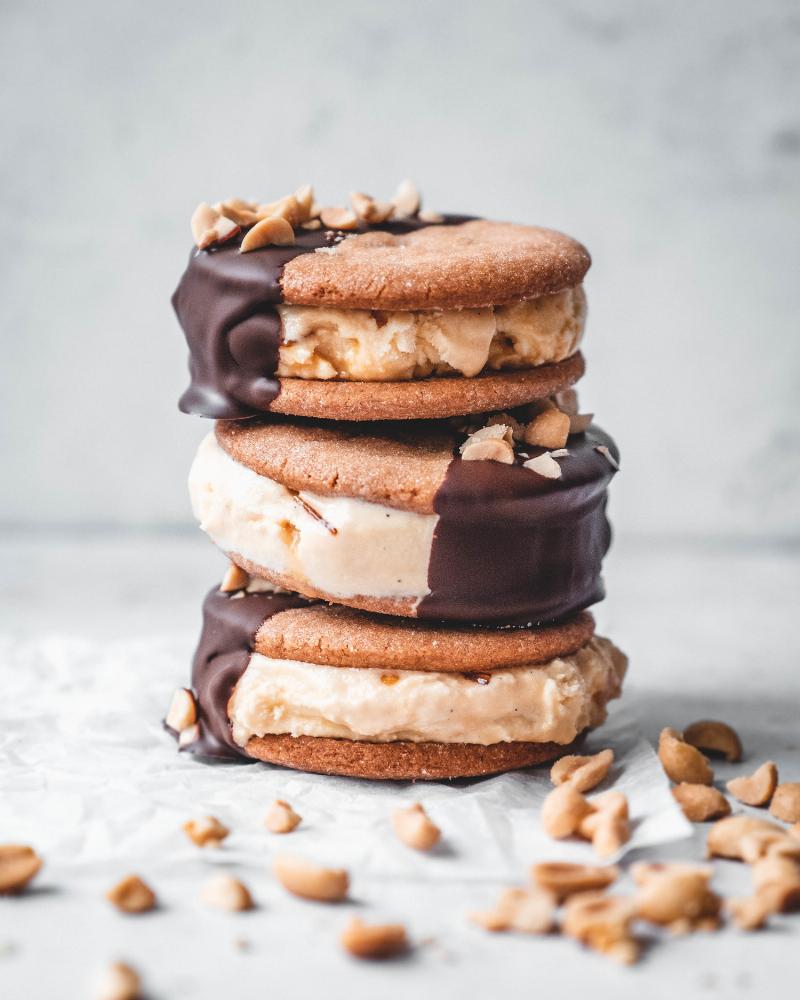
x=340 y=546
x=553 y=701
x=374 y=345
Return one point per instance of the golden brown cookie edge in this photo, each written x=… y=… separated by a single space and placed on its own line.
x=402 y=760
x=424 y=399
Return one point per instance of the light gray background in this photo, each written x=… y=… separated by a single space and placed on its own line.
x=665 y=135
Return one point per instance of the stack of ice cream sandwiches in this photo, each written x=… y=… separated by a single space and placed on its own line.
x=412 y=502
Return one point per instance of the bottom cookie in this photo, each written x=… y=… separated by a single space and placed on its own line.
x=402 y=760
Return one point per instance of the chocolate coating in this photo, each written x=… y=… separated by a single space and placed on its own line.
x=512 y=546
x=226 y=642
x=225 y=303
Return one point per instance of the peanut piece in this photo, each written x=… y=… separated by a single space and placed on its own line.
x=545 y=465
x=529 y=911
x=374 y=940
x=583 y=773
x=777 y=881
x=727 y=837
x=281 y=818
x=119 y=982
x=755 y=789
x=681 y=761
x=182 y=711
x=602 y=923
x=132 y=895
x=491 y=450
x=304 y=199
x=406 y=200
x=701 y=802
x=272 y=231
x=206 y=831
x=671 y=893
x=18 y=865
x=226 y=893
x=786 y=802
x=304 y=878
x=189 y=735
x=712 y=736
x=563 y=810
x=208 y=226
x=549 y=429
x=338 y=217
x=368 y=210
x=609 y=834
x=415 y=829
x=768 y=844
x=749 y=913
x=565 y=879
x=240 y=212
x=235 y=579
x=428 y=215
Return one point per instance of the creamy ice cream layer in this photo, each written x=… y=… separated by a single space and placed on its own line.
x=372 y=345
x=340 y=546
x=554 y=701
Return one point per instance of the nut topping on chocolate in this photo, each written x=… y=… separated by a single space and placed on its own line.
x=209 y=227
x=339 y=217
x=406 y=200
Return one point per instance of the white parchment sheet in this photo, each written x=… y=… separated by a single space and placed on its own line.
x=88 y=775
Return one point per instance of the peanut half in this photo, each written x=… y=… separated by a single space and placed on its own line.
x=563 y=811
x=701 y=802
x=18 y=865
x=786 y=802
x=563 y=878
x=272 y=231
x=757 y=788
x=583 y=773
x=338 y=217
x=374 y=940
x=713 y=736
x=415 y=829
x=528 y=911
x=309 y=881
x=681 y=761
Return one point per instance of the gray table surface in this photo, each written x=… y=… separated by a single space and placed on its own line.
x=710 y=629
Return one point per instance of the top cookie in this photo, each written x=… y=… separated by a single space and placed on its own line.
x=463 y=266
